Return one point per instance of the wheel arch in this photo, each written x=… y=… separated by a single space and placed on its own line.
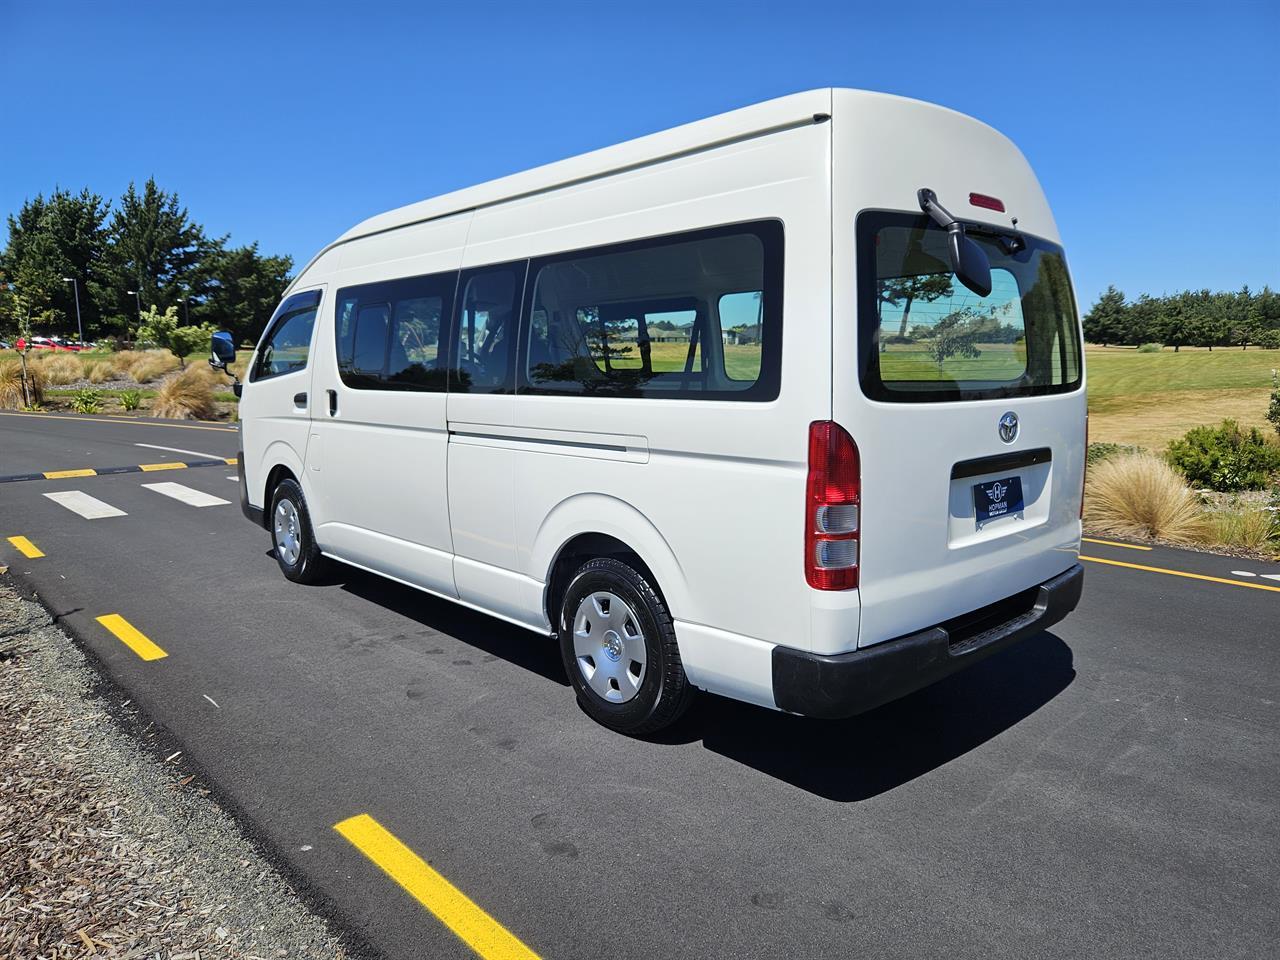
x=596 y=525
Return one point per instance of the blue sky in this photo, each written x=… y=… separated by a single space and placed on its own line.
x=1154 y=128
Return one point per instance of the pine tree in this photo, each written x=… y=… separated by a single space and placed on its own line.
x=1108 y=321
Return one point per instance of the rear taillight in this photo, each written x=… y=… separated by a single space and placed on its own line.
x=833 y=498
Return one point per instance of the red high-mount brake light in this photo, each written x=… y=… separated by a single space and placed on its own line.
x=989 y=203
x=833 y=500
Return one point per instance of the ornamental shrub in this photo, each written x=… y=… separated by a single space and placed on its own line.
x=1225 y=457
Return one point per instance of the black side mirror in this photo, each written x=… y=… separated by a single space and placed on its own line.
x=968 y=260
x=223 y=351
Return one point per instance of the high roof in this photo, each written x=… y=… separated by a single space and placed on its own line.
x=782 y=113
x=793 y=110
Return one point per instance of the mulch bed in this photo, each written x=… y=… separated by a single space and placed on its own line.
x=107 y=851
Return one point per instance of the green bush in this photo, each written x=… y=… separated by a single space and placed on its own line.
x=87 y=400
x=1268 y=340
x=1273 y=411
x=1102 y=451
x=1151 y=348
x=131 y=399
x=1226 y=457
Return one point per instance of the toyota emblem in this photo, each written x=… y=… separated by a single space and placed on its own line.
x=1008 y=426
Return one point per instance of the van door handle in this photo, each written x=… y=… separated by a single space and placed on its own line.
x=299 y=400
x=333 y=402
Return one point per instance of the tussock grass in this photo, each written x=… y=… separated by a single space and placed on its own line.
x=152 y=365
x=99 y=371
x=59 y=368
x=1247 y=526
x=11 y=384
x=185 y=396
x=1140 y=495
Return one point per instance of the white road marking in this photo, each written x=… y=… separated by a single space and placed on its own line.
x=194 y=498
x=1242 y=573
x=236 y=479
x=1271 y=576
x=194 y=453
x=88 y=507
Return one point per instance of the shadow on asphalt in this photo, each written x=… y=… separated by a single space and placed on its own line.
x=486 y=633
x=859 y=758
x=841 y=760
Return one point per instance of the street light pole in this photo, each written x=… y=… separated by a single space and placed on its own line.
x=75 y=286
x=186 y=308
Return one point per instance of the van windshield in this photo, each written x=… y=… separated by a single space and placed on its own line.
x=924 y=336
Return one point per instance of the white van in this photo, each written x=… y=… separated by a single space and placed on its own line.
x=787 y=405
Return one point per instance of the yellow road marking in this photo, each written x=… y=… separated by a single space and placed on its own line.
x=131 y=422
x=232 y=461
x=1115 y=543
x=483 y=934
x=63 y=474
x=149 y=467
x=26 y=548
x=131 y=637
x=1183 y=573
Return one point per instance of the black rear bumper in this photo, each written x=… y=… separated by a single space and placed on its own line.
x=841 y=685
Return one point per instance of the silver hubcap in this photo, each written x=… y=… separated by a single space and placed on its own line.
x=287 y=533
x=608 y=646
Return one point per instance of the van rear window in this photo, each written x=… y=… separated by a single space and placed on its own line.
x=694 y=315
x=924 y=336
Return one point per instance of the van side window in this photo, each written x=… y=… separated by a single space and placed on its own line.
x=286 y=348
x=740 y=317
x=695 y=315
x=484 y=332
x=388 y=334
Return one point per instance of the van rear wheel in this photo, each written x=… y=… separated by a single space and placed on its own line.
x=619 y=649
x=295 y=546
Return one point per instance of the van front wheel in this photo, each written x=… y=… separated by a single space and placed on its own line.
x=295 y=546
x=619 y=649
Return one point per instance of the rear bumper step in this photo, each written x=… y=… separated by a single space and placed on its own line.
x=842 y=685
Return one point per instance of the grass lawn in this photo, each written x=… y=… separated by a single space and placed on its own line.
x=1149 y=399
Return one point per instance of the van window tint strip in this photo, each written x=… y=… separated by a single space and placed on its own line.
x=286 y=346
x=695 y=315
x=922 y=336
x=389 y=334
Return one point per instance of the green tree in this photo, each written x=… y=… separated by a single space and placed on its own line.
x=156 y=249
x=1108 y=320
x=955 y=335
x=904 y=291
x=241 y=290
x=1144 y=322
x=164 y=330
x=32 y=267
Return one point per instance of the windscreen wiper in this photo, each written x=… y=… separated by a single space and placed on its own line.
x=968 y=260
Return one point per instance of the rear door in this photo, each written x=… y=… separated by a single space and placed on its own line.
x=970 y=426
x=968 y=410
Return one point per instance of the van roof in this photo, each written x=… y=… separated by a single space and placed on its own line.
x=781 y=113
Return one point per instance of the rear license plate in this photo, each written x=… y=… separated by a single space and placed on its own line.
x=997 y=498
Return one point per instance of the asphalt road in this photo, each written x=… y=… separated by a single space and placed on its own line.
x=1107 y=789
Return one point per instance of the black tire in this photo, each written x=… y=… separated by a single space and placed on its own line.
x=309 y=566
x=665 y=692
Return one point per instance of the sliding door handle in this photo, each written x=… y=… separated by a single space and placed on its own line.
x=333 y=402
